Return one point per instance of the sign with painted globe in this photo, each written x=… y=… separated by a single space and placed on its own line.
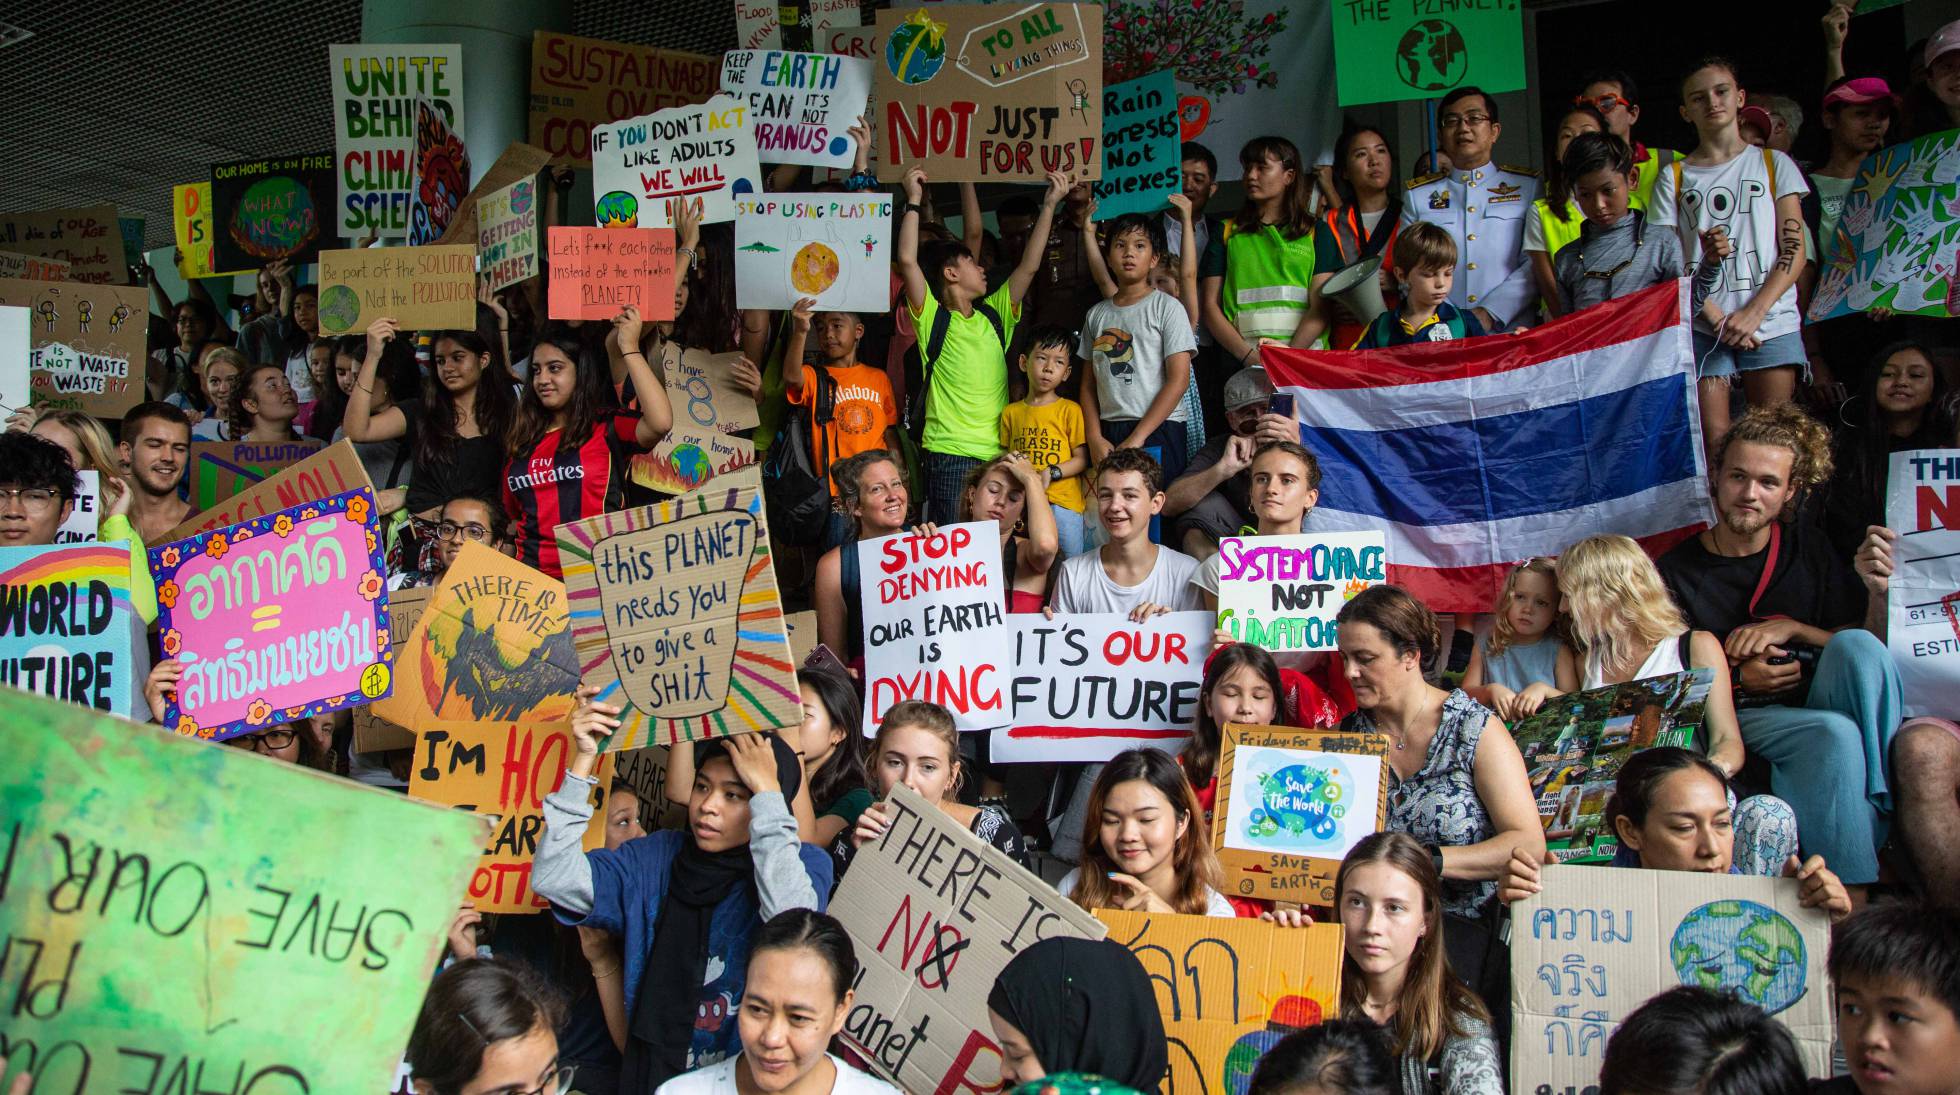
x=1389 y=52
x=1743 y=947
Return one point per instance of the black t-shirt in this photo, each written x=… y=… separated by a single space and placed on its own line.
x=1238 y=488
x=1812 y=585
x=474 y=466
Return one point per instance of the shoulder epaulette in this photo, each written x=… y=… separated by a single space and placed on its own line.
x=1516 y=170
x=1425 y=180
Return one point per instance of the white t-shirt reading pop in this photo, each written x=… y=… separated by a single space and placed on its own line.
x=1740 y=196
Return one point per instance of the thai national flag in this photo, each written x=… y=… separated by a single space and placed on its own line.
x=1476 y=454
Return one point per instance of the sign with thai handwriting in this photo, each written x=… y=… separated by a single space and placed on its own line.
x=442 y=174
x=423 y=288
x=275 y=619
x=1230 y=990
x=1392 y=52
x=934 y=626
x=375 y=87
x=595 y=272
x=677 y=619
x=1291 y=803
x=13 y=264
x=88 y=239
x=267 y=210
x=578 y=83
x=1922 y=504
x=1087 y=687
x=87 y=343
x=800 y=104
x=221 y=469
x=65 y=629
x=936 y=914
x=178 y=946
x=1604 y=940
x=704 y=153
x=832 y=248
x=1141 y=157
x=372 y=733
x=507 y=234
x=1282 y=592
x=990 y=93
x=336 y=469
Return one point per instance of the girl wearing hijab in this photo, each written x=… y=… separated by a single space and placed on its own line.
x=1070 y=1005
x=685 y=902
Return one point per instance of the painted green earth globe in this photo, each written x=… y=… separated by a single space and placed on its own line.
x=1745 y=948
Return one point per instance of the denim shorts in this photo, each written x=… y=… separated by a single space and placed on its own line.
x=1717 y=360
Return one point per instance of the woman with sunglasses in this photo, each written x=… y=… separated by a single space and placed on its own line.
x=487 y=1027
x=464 y=519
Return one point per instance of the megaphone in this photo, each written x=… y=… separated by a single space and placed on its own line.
x=1359 y=289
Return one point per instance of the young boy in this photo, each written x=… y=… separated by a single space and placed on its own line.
x=1424 y=261
x=1896 y=967
x=1047 y=429
x=1139 y=343
x=1615 y=254
x=963 y=334
x=1617 y=99
x=865 y=413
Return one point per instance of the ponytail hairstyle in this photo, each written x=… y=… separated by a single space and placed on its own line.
x=470 y=1007
x=437 y=438
x=1295 y=218
x=1641 y=777
x=843 y=770
x=1198 y=873
x=1200 y=756
x=592 y=400
x=1433 y=1004
x=808 y=930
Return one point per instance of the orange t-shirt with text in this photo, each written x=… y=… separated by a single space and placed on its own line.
x=865 y=408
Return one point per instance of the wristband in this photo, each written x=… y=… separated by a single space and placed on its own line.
x=914 y=207
x=690 y=252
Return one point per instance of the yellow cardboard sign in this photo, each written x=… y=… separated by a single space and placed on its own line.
x=190 y=211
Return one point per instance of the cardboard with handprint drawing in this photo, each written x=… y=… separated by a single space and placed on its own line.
x=1291 y=803
x=677 y=620
x=1897 y=243
x=86 y=343
x=832 y=248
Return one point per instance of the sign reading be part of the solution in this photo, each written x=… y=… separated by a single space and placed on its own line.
x=832 y=248
x=700 y=153
x=1922 y=504
x=597 y=271
x=375 y=86
x=801 y=104
x=424 y=288
x=1088 y=687
x=1282 y=592
x=934 y=628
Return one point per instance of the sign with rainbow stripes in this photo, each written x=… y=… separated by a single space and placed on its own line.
x=677 y=620
x=66 y=626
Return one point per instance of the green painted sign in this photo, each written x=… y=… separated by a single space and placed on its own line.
x=177 y=915
x=1389 y=50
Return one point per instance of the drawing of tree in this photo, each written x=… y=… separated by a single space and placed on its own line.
x=1212 y=44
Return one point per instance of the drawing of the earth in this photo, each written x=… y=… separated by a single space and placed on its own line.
x=339 y=308
x=813 y=270
x=1430 y=57
x=691 y=464
x=1745 y=948
x=1300 y=806
x=617 y=210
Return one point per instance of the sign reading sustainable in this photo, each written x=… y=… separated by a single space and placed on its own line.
x=1141 y=157
x=990 y=93
x=832 y=248
x=155 y=945
x=704 y=154
x=1394 y=51
x=595 y=272
x=1922 y=504
x=65 y=624
x=86 y=340
x=677 y=619
x=933 y=625
x=801 y=104
x=425 y=288
x=578 y=83
x=275 y=619
x=267 y=210
x=375 y=87
x=1283 y=592
x=1086 y=687
x=1292 y=804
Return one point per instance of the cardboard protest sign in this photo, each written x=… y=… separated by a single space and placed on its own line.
x=677 y=619
x=924 y=902
x=1282 y=592
x=1604 y=940
x=802 y=628
x=645 y=771
x=1922 y=504
x=934 y=628
x=425 y=288
x=989 y=93
x=758 y=25
x=1087 y=687
x=835 y=248
x=375 y=88
x=81 y=524
x=442 y=174
x=1575 y=745
x=372 y=733
x=507 y=234
x=801 y=105
x=1291 y=804
x=493 y=645
x=65 y=624
x=1141 y=157
x=1230 y=990
x=1391 y=52
x=336 y=469
x=702 y=153
x=267 y=210
x=16 y=350
x=577 y=83
x=189 y=947
x=88 y=239
x=503 y=771
x=690 y=458
x=221 y=469
x=275 y=619
x=1897 y=243
x=597 y=271
x=88 y=343
x=709 y=410
x=519 y=162
x=13 y=264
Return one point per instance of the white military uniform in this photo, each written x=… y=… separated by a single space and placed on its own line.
x=1484 y=210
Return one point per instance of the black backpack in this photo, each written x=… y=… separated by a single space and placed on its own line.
x=796 y=491
x=919 y=359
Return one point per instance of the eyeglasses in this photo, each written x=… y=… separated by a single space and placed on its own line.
x=450 y=530
x=559 y=1081
x=268 y=741
x=1605 y=104
x=31 y=499
x=1462 y=121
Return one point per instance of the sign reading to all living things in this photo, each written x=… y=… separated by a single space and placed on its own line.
x=1922 y=505
x=1291 y=804
x=507 y=234
x=1282 y=592
x=801 y=105
x=1897 y=243
x=1141 y=149
x=703 y=153
x=1087 y=687
x=990 y=93
x=87 y=343
x=423 y=288
x=1602 y=941
x=936 y=914
x=677 y=619
x=442 y=175
x=65 y=629
x=336 y=469
x=156 y=946
x=88 y=239
x=933 y=625
x=1390 y=52
x=833 y=248
x=190 y=214
x=578 y=83
x=375 y=88
x=595 y=272
x=221 y=469
x=267 y=210
x=275 y=619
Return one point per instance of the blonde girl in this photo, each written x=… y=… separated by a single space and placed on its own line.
x=1525 y=661
x=918 y=746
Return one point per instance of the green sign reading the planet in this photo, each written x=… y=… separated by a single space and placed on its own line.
x=1388 y=50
